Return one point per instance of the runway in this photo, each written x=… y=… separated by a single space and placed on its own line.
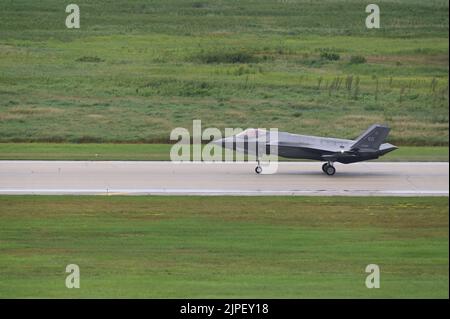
x=156 y=178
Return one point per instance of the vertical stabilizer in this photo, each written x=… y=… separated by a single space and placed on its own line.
x=372 y=138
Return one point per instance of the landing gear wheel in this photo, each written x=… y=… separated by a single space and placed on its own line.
x=330 y=170
x=258 y=170
x=324 y=167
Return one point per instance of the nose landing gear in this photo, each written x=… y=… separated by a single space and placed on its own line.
x=328 y=168
x=258 y=169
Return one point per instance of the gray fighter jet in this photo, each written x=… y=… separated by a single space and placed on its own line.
x=369 y=145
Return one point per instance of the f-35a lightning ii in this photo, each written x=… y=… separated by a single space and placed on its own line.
x=369 y=145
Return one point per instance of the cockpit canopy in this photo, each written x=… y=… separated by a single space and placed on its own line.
x=252 y=133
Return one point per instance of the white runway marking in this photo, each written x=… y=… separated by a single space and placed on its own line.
x=194 y=178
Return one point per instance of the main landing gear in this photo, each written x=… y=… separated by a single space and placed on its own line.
x=328 y=168
x=258 y=169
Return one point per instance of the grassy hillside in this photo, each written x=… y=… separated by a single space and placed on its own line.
x=195 y=247
x=137 y=69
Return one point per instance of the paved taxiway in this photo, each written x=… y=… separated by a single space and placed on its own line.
x=292 y=178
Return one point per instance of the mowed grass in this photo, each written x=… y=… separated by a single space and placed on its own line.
x=137 y=69
x=223 y=247
x=161 y=152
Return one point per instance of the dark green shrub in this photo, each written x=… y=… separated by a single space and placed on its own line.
x=357 y=59
x=226 y=57
x=330 y=56
x=89 y=59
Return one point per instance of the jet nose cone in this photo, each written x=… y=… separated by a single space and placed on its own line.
x=219 y=142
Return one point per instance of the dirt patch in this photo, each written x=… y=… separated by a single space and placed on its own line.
x=34 y=110
x=440 y=59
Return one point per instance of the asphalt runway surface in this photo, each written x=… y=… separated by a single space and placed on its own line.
x=158 y=178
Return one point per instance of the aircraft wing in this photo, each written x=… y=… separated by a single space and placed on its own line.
x=339 y=156
x=308 y=146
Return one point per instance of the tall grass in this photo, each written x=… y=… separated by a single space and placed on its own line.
x=136 y=70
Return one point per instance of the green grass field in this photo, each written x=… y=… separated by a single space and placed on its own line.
x=137 y=69
x=291 y=247
x=161 y=152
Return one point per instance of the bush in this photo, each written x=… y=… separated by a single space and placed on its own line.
x=357 y=59
x=198 y=5
x=331 y=56
x=226 y=57
x=89 y=59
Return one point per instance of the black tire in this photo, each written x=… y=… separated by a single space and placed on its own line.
x=324 y=167
x=258 y=170
x=330 y=170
